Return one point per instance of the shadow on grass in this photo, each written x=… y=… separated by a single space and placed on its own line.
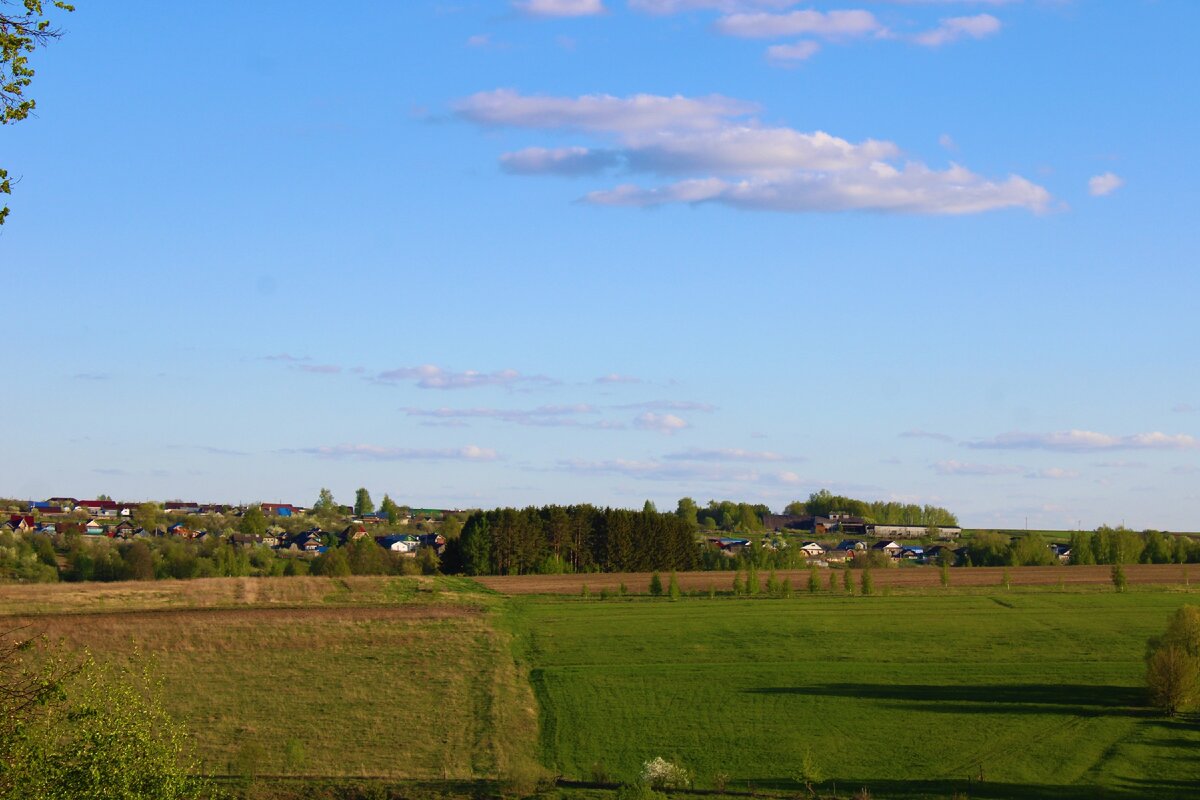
x=1036 y=698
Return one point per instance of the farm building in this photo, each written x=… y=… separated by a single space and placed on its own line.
x=913 y=531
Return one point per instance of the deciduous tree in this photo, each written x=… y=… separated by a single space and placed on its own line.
x=325 y=502
x=363 y=503
x=1173 y=662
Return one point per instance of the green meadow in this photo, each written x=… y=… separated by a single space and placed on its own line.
x=909 y=696
x=438 y=688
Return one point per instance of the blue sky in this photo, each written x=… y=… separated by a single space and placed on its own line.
x=480 y=253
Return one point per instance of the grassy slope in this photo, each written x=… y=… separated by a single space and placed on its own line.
x=907 y=695
x=399 y=677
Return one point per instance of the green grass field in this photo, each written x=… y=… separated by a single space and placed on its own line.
x=907 y=696
x=440 y=684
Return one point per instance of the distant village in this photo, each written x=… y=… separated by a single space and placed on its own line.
x=865 y=537
x=789 y=539
x=111 y=519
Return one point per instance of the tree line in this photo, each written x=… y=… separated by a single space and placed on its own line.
x=580 y=538
x=823 y=503
x=1105 y=545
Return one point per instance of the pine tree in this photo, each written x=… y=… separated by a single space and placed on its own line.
x=847 y=581
x=656 y=587
x=814 y=583
x=673 y=588
x=866 y=584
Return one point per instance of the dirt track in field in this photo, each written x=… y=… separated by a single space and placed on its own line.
x=917 y=577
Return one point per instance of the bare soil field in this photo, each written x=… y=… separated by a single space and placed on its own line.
x=894 y=578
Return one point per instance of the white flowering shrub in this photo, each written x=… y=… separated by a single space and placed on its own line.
x=662 y=774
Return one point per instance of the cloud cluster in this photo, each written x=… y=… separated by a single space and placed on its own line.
x=777 y=19
x=725 y=455
x=828 y=24
x=953 y=467
x=960 y=468
x=542 y=416
x=429 y=376
x=371 y=452
x=953 y=29
x=667 y=405
x=560 y=8
x=1106 y=184
x=601 y=113
x=1077 y=441
x=711 y=150
x=660 y=423
x=616 y=377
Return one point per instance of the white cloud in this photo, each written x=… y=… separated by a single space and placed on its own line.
x=664 y=7
x=601 y=112
x=960 y=468
x=560 y=8
x=542 y=416
x=1077 y=441
x=429 y=376
x=725 y=158
x=792 y=53
x=479 y=40
x=662 y=423
x=669 y=405
x=946 y=141
x=615 y=377
x=1184 y=408
x=1053 y=474
x=1103 y=185
x=829 y=24
x=956 y=28
x=953 y=2
x=558 y=161
x=726 y=454
x=371 y=452
x=916 y=189
x=746 y=150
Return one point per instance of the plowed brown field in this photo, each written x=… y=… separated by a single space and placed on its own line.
x=915 y=578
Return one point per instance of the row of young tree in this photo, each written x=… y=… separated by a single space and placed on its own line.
x=1120 y=545
x=1105 y=545
x=583 y=538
